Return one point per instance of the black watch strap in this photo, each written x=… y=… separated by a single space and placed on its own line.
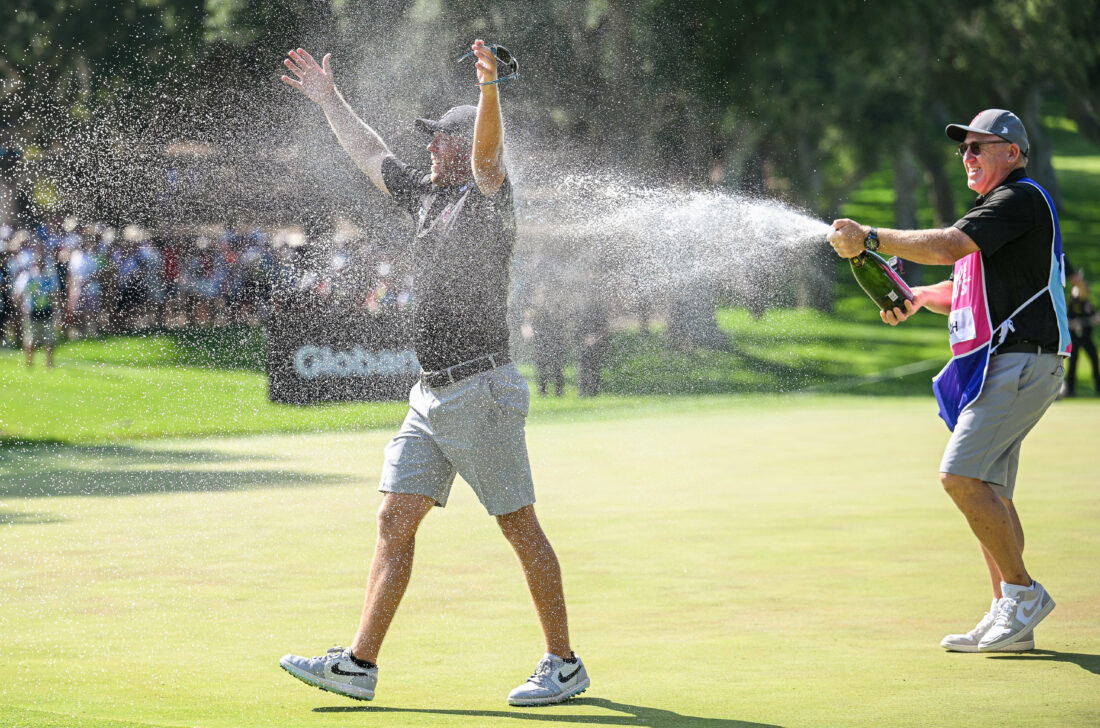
x=871 y=241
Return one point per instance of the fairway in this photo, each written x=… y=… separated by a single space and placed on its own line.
x=728 y=562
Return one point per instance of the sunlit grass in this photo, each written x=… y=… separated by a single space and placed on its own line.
x=156 y=386
x=729 y=562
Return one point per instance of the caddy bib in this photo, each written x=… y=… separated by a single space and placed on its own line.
x=971 y=331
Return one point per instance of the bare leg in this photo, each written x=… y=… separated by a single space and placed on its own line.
x=398 y=518
x=994 y=523
x=543 y=574
x=994 y=572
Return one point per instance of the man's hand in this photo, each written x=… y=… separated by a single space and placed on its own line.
x=315 y=81
x=486 y=62
x=896 y=315
x=362 y=143
x=847 y=237
x=935 y=298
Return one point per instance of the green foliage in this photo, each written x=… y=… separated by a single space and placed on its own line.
x=799 y=99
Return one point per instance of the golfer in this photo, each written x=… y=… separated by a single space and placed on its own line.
x=1009 y=335
x=467 y=412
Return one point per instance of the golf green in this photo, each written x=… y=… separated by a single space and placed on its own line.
x=753 y=561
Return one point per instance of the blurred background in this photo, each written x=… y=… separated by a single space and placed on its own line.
x=153 y=160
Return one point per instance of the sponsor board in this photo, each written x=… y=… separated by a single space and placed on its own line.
x=318 y=353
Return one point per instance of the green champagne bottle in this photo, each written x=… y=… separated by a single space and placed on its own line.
x=880 y=281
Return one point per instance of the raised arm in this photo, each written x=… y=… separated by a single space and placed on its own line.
x=487 y=156
x=362 y=143
x=938 y=246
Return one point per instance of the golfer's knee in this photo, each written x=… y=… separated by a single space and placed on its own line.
x=520 y=524
x=396 y=525
x=961 y=488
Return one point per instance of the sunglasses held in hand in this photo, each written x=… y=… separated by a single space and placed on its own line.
x=504 y=58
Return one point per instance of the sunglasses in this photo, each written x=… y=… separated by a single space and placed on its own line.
x=976 y=147
x=504 y=57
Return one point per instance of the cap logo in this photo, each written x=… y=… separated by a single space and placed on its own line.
x=1004 y=129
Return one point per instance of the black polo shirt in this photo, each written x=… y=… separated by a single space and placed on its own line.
x=462 y=256
x=1013 y=228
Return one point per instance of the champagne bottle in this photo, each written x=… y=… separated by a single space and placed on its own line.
x=880 y=281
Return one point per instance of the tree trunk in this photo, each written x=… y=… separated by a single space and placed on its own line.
x=1084 y=114
x=906 y=179
x=941 y=191
x=1040 y=165
x=692 y=320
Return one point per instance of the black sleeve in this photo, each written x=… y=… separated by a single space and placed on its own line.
x=1008 y=213
x=406 y=184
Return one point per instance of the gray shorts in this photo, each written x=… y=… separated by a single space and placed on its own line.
x=986 y=442
x=473 y=427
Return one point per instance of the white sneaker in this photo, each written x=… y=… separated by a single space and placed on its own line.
x=334 y=671
x=969 y=642
x=554 y=680
x=1018 y=612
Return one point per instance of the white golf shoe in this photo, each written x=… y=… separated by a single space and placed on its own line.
x=968 y=642
x=1020 y=609
x=553 y=681
x=336 y=671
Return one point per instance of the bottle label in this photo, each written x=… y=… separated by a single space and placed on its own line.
x=961 y=326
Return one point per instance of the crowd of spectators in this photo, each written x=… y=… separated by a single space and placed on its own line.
x=65 y=279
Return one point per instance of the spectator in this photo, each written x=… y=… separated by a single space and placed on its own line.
x=594 y=343
x=1082 y=317
x=17 y=260
x=9 y=313
x=131 y=284
x=39 y=293
x=84 y=290
x=205 y=275
x=257 y=263
x=151 y=285
x=548 y=337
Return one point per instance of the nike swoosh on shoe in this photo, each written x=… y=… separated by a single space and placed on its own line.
x=1028 y=614
x=570 y=676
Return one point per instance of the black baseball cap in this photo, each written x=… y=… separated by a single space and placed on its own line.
x=998 y=122
x=458 y=121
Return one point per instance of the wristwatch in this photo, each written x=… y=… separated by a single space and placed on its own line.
x=871 y=241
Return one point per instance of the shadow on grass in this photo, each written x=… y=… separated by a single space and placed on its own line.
x=24 y=518
x=90 y=482
x=1085 y=661
x=15 y=451
x=51 y=469
x=636 y=715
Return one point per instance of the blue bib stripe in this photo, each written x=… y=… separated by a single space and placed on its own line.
x=1057 y=281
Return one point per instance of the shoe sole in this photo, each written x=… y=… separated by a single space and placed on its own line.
x=1012 y=639
x=1018 y=646
x=536 y=702
x=328 y=685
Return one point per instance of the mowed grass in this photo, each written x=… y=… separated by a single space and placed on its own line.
x=160 y=385
x=729 y=562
